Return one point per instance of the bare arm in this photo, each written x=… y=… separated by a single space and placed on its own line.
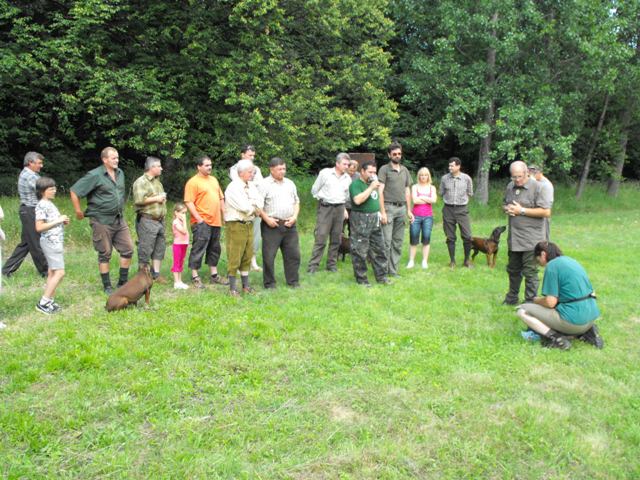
x=363 y=196
x=548 y=301
x=514 y=209
x=194 y=213
x=42 y=226
x=75 y=201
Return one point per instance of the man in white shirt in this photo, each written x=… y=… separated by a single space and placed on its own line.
x=331 y=189
x=279 y=232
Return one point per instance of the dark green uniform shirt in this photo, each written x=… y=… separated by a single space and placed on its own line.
x=105 y=198
x=370 y=205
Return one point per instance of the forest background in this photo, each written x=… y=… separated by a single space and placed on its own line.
x=552 y=82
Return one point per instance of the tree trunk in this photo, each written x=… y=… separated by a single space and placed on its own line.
x=613 y=185
x=582 y=183
x=484 y=156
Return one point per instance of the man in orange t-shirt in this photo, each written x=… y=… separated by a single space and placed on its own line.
x=205 y=201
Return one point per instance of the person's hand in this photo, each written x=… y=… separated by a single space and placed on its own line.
x=271 y=222
x=346 y=214
x=411 y=217
x=80 y=215
x=290 y=222
x=513 y=209
x=383 y=218
x=374 y=185
x=63 y=219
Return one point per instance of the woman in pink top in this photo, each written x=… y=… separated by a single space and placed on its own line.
x=424 y=196
x=180 y=244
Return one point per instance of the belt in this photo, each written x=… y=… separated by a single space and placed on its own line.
x=327 y=204
x=452 y=205
x=396 y=204
x=244 y=222
x=151 y=217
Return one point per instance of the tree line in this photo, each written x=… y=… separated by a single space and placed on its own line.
x=551 y=82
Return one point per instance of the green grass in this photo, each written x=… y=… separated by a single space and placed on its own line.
x=426 y=378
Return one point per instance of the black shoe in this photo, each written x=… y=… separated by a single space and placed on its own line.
x=592 y=337
x=108 y=290
x=312 y=270
x=467 y=264
x=507 y=301
x=385 y=281
x=452 y=264
x=365 y=284
x=332 y=269
x=556 y=341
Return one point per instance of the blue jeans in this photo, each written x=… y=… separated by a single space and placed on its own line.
x=421 y=224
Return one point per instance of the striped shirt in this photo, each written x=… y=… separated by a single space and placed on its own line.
x=280 y=198
x=27 y=187
x=331 y=188
x=456 y=190
x=241 y=201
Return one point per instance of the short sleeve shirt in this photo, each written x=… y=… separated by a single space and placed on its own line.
x=48 y=212
x=525 y=232
x=205 y=194
x=145 y=187
x=280 y=198
x=105 y=198
x=565 y=279
x=395 y=183
x=370 y=205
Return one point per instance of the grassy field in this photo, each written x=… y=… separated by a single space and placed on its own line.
x=426 y=378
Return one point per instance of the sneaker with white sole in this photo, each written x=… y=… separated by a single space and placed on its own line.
x=425 y=265
x=3 y=325
x=410 y=264
x=47 y=308
x=180 y=286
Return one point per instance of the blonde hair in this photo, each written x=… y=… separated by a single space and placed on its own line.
x=424 y=170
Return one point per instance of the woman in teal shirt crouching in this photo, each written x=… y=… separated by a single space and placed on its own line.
x=568 y=305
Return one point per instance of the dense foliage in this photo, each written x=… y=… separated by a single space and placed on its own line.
x=492 y=80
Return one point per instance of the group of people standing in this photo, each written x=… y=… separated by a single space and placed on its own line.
x=261 y=212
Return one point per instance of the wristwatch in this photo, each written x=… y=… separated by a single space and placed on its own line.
x=522 y=211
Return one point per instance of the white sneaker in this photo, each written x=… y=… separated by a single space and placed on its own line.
x=3 y=325
x=425 y=265
x=180 y=286
x=410 y=264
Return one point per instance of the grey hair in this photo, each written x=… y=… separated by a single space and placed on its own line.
x=342 y=156
x=150 y=161
x=244 y=165
x=32 y=157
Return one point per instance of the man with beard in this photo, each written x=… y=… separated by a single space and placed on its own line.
x=395 y=205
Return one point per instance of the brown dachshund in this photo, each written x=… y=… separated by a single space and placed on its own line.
x=488 y=245
x=132 y=291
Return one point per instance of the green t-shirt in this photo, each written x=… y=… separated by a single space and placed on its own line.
x=370 y=205
x=565 y=279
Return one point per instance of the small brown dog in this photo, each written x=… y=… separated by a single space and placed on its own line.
x=345 y=241
x=132 y=291
x=489 y=246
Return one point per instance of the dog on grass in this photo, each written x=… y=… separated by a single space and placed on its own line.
x=488 y=246
x=345 y=242
x=132 y=291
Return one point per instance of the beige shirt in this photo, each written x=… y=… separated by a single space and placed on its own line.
x=241 y=201
x=280 y=198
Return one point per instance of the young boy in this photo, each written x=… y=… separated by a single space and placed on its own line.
x=49 y=224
